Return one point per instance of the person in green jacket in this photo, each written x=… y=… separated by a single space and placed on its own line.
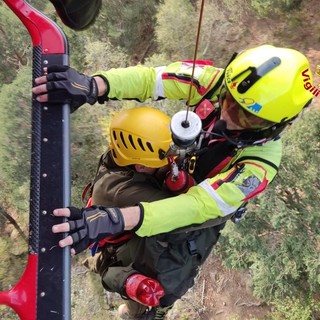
x=242 y=111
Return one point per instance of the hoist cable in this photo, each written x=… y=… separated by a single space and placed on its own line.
x=186 y=123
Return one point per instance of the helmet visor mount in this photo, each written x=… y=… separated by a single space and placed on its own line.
x=256 y=74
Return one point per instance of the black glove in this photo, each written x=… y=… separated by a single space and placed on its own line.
x=88 y=225
x=66 y=85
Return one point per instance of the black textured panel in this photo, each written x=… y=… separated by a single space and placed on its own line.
x=53 y=173
x=35 y=160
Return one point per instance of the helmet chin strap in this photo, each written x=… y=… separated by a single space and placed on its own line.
x=220 y=129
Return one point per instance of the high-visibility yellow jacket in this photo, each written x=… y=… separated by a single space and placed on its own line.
x=246 y=175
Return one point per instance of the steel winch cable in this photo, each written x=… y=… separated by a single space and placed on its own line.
x=186 y=123
x=186 y=127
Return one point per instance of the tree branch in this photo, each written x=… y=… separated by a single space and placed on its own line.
x=14 y=223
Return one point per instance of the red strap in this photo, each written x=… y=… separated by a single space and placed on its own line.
x=201 y=62
x=85 y=193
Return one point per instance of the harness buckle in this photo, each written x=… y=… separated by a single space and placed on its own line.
x=192 y=164
x=192 y=246
x=239 y=214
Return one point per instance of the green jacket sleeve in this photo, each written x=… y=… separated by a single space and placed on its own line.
x=217 y=196
x=130 y=83
x=172 y=81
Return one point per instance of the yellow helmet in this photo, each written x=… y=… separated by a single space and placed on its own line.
x=140 y=136
x=270 y=82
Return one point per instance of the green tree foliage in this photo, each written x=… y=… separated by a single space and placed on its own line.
x=87 y=144
x=176 y=28
x=15 y=50
x=15 y=138
x=292 y=308
x=104 y=56
x=279 y=239
x=137 y=24
x=39 y=4
x=266 y=7
x=87 y=130
x=126 y=24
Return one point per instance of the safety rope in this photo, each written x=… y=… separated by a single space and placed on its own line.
x=194 y=60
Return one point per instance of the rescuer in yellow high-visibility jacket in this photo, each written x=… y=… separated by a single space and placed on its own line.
x=247 y=105
x=242 y=111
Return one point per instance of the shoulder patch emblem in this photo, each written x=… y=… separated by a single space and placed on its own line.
x=249 y=185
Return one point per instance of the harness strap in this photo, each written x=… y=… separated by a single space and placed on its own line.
x=269 y=163
x=208 y=224
x=231 y=216
x=211 y=92
x=219 y=83
x=87 y=191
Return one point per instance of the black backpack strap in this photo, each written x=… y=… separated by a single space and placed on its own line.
x=87 y=191
x=212 y=91
x=105 y=164
x=269 y=163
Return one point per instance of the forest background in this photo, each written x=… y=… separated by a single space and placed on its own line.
x=267 y=266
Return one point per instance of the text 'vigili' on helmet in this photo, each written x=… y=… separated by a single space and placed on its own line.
x=140 y=136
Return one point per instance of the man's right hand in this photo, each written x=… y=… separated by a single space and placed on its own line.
x=62 y=84
x=88 y=225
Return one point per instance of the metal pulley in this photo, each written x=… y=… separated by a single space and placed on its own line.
x=185 y=128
